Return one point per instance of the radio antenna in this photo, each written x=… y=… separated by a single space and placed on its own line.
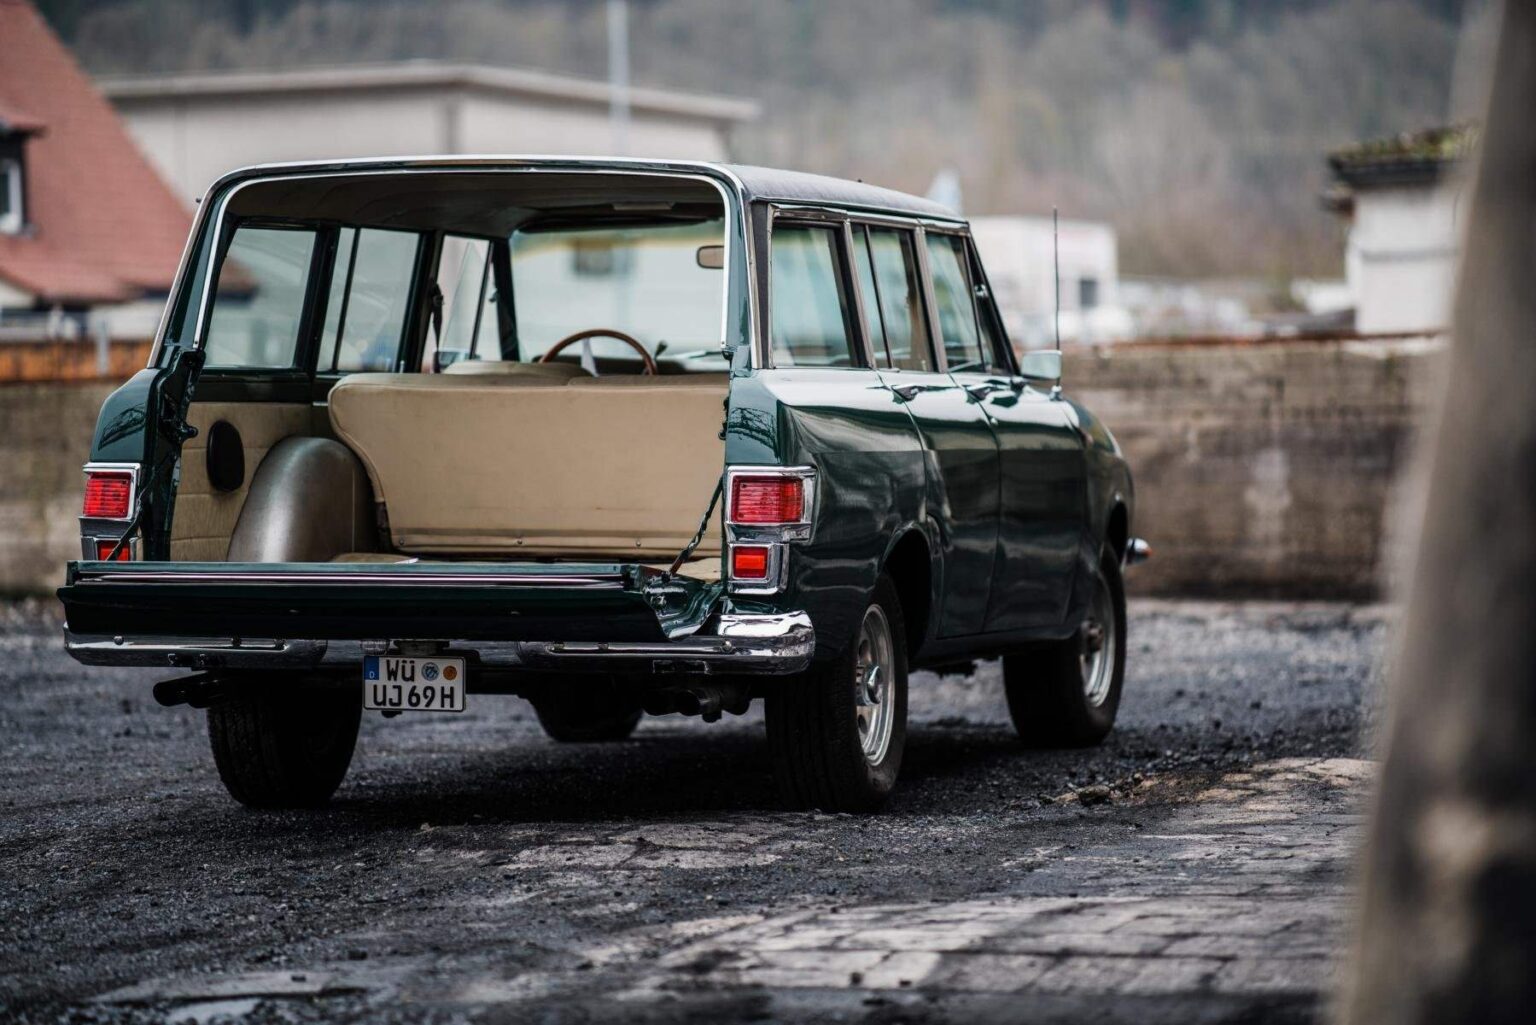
x=1056 y=261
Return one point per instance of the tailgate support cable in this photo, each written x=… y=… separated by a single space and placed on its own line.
x=714 y=499
x=698 y=536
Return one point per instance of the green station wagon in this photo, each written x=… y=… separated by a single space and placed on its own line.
x=619 y=437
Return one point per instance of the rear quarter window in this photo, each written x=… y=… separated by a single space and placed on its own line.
x=258 y=307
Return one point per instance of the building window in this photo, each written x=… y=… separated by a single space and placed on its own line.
x=1087 y=293
x=11 y=220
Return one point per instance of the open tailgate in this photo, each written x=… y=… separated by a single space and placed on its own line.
x=360 y=601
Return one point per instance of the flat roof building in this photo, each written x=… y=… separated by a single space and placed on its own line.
x=196 y=127
x=1403 y=200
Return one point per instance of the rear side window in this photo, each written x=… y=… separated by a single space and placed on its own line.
x=259 y=305
x=369 y=293
x=808 y=312
x=956 y=303
x=890 y=285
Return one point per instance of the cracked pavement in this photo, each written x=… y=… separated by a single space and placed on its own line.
x=1195 y=868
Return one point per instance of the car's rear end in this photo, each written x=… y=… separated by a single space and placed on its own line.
x=362 y=455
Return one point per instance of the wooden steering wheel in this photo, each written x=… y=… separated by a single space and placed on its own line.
x=602 y=332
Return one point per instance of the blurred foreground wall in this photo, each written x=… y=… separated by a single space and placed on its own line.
x=1262 y=470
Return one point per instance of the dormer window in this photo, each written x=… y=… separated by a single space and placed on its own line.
x=12 y=207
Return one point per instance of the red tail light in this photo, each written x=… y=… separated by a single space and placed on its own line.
x=104 y=551
x=108 y=494
x=749 y=562
x=766 y=500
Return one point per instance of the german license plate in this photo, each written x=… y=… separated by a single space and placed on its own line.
x=395 y=683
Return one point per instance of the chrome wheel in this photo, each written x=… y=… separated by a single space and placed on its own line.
x=1098 y=644
x=873 y=673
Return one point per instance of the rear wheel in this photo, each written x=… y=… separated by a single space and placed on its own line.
x=279 y=746
x=1066 y=694
x=581 y=717
x=837 y=731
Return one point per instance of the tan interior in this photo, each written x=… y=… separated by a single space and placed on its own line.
x=514 y=368
x=519 y=465
x=205 y=518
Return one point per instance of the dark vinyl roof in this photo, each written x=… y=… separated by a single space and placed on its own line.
x=767 y=183
x=757 y=183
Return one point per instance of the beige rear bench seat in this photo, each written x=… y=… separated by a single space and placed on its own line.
x=511 y=466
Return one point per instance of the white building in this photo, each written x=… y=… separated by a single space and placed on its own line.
x=1019 y=254
x=195 y=127
x=1404 y=203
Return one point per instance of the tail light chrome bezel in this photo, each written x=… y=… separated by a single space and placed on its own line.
x=96 y=529
x=771 y=582
x=799 y=529
x=773 y=536
x=113 y=469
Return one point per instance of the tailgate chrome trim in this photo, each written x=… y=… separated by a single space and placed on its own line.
x=594 y=581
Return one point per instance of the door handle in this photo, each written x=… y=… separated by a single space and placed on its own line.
x=907 y=392
x=980 y=391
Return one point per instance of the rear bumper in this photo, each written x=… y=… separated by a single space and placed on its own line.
x=767 y=644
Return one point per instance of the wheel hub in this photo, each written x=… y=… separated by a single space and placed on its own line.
x=874 y=715
x=1098 y=640
x=870 y=684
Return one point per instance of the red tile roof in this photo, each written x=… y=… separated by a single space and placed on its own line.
x=103 y=227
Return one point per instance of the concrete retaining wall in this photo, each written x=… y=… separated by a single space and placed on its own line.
x=45 y=436
x=1264 y=470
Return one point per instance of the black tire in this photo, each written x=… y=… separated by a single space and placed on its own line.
x=583 y=717
x=1048 y=696
x=813 y=721
x=278 y=746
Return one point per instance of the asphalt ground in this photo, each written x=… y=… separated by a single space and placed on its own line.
x=1195 y=867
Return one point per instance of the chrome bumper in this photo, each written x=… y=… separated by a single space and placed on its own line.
x=774 y=644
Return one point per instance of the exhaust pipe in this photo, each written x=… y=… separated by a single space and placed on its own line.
x=199 y=690
x=706 y=700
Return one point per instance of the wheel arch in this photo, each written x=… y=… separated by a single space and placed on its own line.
x=1117 y=529
x=909 y=562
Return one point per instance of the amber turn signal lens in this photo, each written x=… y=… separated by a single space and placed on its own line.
x=749 y=562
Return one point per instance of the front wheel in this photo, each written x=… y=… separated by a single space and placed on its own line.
x=1066 y=694
x=280 y=746
x=837 y=731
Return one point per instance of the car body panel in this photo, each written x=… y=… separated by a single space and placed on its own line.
x=1043 y=507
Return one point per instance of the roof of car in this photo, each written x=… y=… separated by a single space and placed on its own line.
x=768 y=183
x=757 y=183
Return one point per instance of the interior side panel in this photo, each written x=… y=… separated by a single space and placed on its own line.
x=204 y=517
